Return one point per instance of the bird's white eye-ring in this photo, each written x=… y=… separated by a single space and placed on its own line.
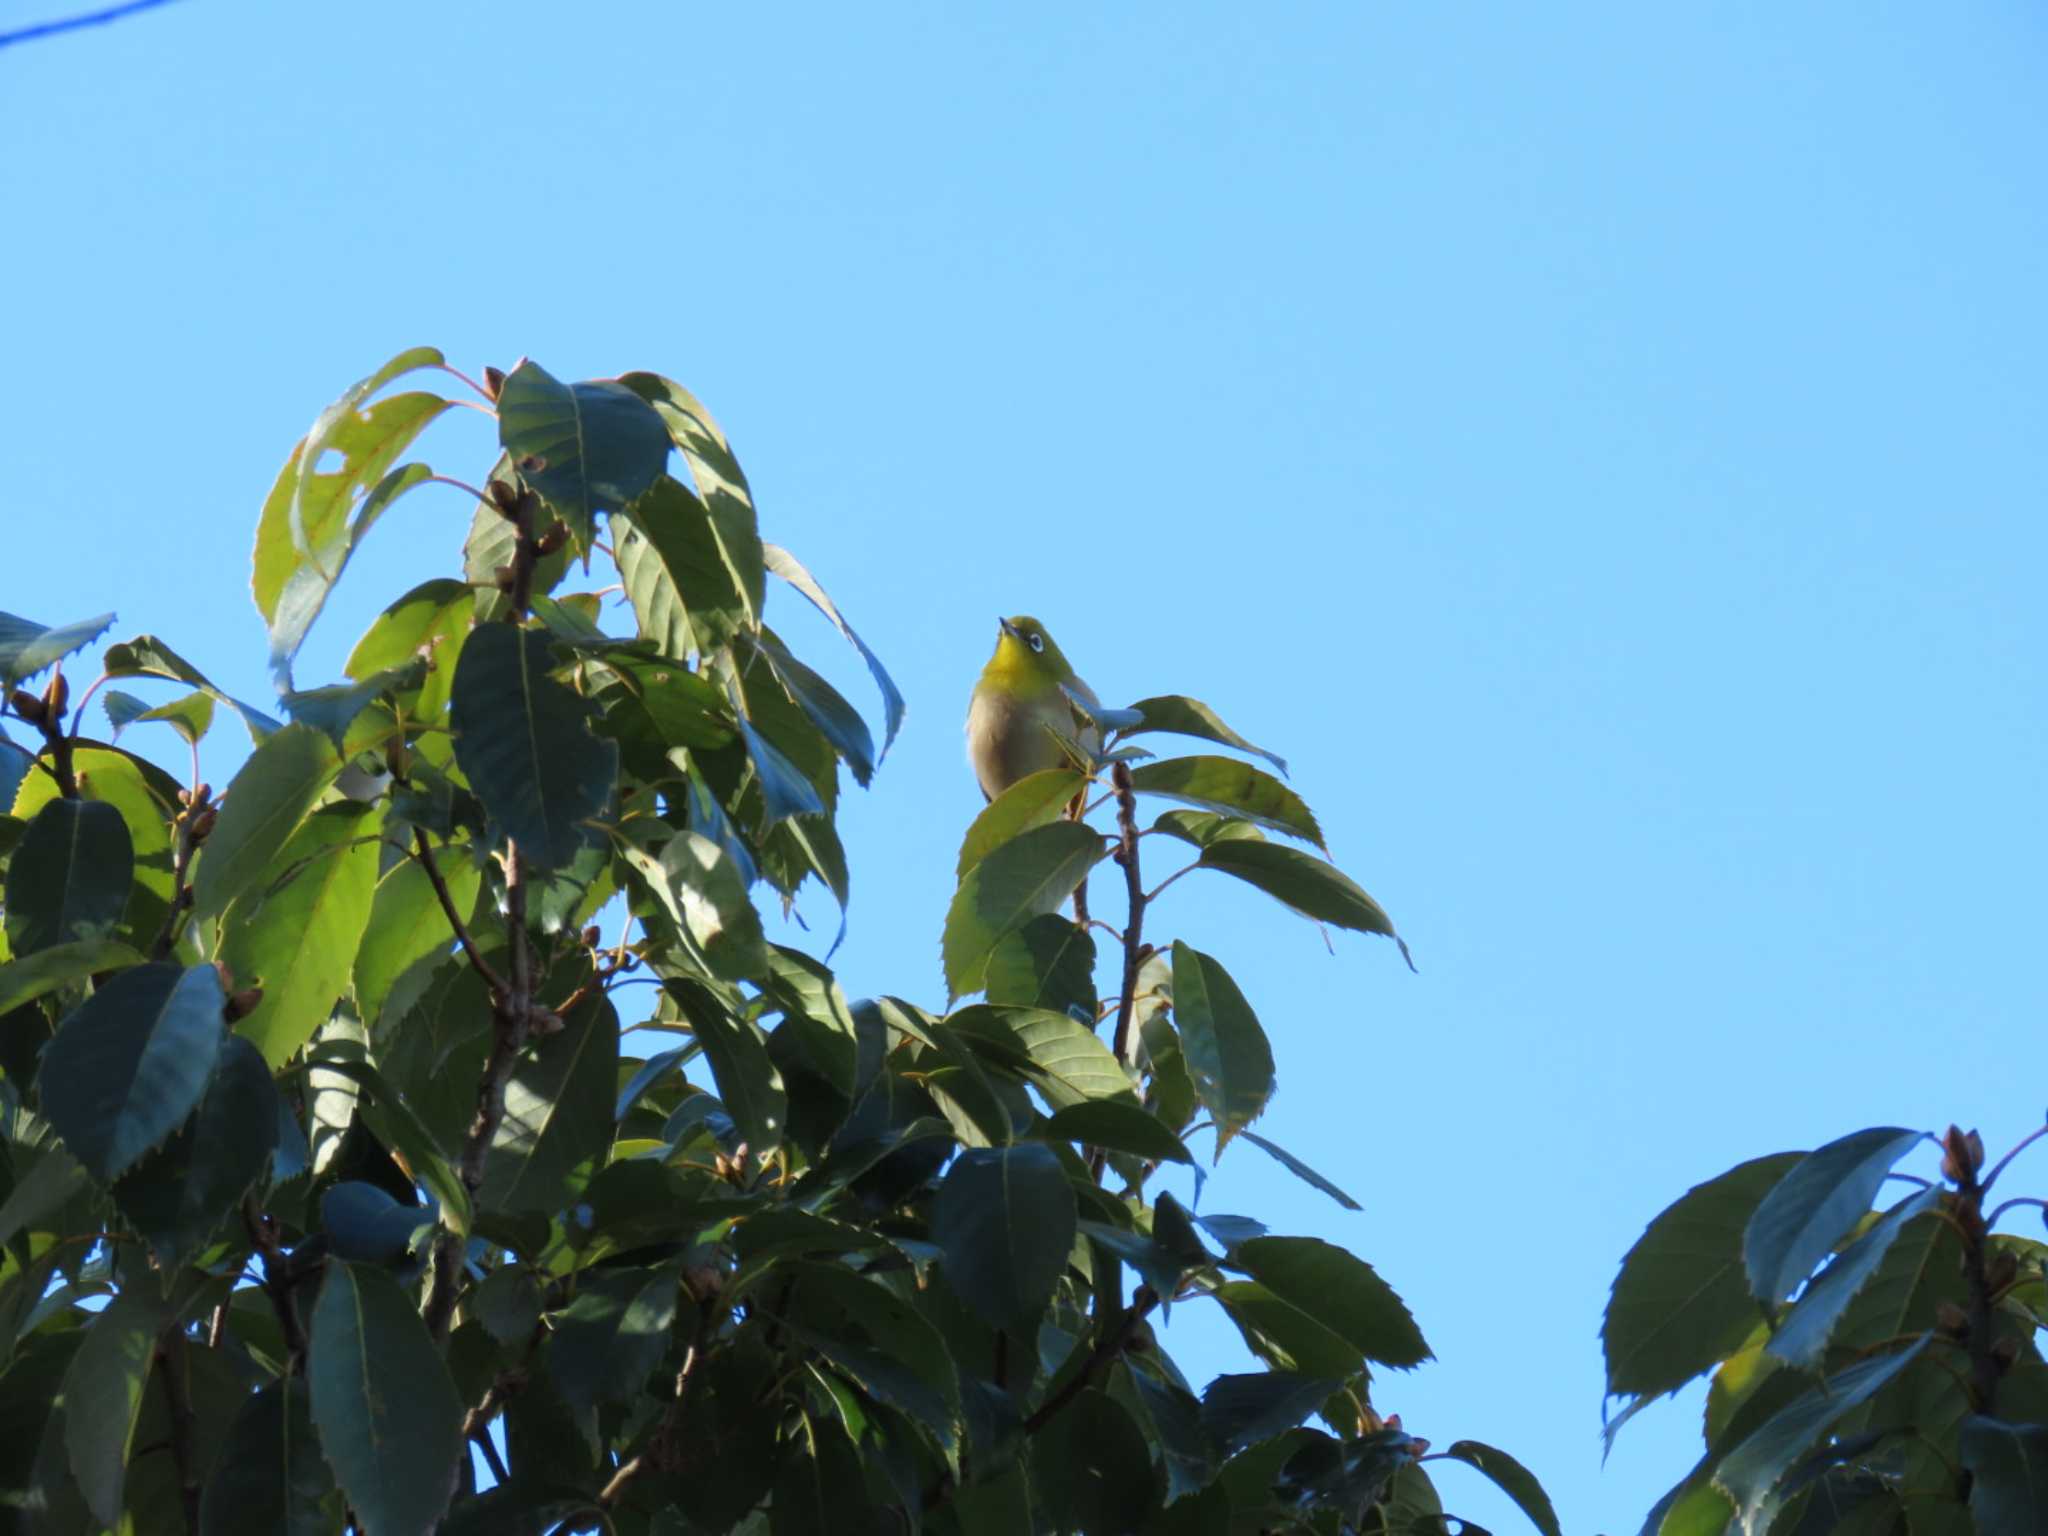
x=1038 y=642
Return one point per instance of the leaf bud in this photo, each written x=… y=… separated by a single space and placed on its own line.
x=1952 y=1320
x=243 y=1003
x=494 y=381
x=202 y=825
x=202 y=794
x=2005 y=1351
x=57 y=695
x=592 y=937
x=504 y=497
x=27 y=705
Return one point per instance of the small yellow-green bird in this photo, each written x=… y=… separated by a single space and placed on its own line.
x=1029 y=709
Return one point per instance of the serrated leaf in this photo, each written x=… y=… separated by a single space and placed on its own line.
x=790 y=569
x=1804 y=1332
x=1283 y=1336
x=1190 y=717
x=1814 y=1205
x=32 y=976
x=1062 y=1058
x=1048 y=963
x=131 y=1062
x=389 y=1418
x=191 y=717
x=748 y=1082
x=524 y=743
x=1227 y=1055
x=1304 y=882
x=1033 y=801
x=1301 y=1170
x=1033 y=873
x=147 y=656
x=269 y=1479
x=1201 y=828
x=69 y=877
x=269 y=797
x=1243 y=1410
x=837 y=721
x=1751 y=1474
x=1004 y=1219
x=407 y=925
x=427 y=624
x=27 y=647
x=1231 y=788
x=687 y=599
x=612 y=1335
x=2008 y=1465
x=588 y=447
x=1512 y=1478
x=1680 y=1302
x=1117 y=1126
x=178 y=1198
x=1343 y=1293
x=557 y=1124
x=296 y=940
x=103 y=1396
x=716 y=474
x=705 y=895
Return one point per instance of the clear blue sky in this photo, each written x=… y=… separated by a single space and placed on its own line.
x=1599 y=446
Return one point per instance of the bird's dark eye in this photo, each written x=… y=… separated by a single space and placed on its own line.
x=1038 y=642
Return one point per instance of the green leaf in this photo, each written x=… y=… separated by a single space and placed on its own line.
x=49 y=1184
x=1680 y=1302
x=1004 y=1220
x=1301 y=1170
x=685 y=596
x=588 y=447
x=2008 y=1465
x=1093 y=1469
x=147 y=656
x=393 y=1120
x=269 y=1479
x=705 y=895
x=129 y=1065
x=1816 y=1202
x=786 y=790
x=717 y=475
x=607 y=1341
x=27 y=647
x=523 y=741
x=1033 y=873
x=837 y=721
x=296 y=940
x=748 y=1082
x=1201 y=828
x=558 y=1123
x=191 y=717
x=428 y=624
x=1033 y=801
x=1754 y=1471
x=1232 y=788
x=279 y=784
x=178 y=1198
x=407 y=925
x=69 y=877
x=1513 y=1479
x=1305 y=883
x=786 y=565
x=1118 y=1126
x=1062 y=1058
x=1173 y=1421
x=1285 y=1337
x=1226 y=1051
x=365 y=1224
x=507 y=1302
x=1189 y=717
x=871 y=1334
x=1343 y=1293
x=1803 y=1334
x=103 y=1396
x=389 y=1417
x=30 y=977
x=819 y=1489
x=1048 y=963
x=1243 y=1410
x=490 y=549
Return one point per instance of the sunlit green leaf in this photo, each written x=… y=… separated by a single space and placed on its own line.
x=1304 y=882
x=1226 y=1051
x=271 y=794
x=558 y=1115
x=1033 y=873
x=1064 y=1059
x=407 y=924
x=147 y=656
x=1189 y=717
x=1033 y=801
x=427 y=624
x=1231 y=788
x=1047 y=963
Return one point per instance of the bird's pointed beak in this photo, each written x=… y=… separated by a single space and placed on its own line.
x=1009 y=629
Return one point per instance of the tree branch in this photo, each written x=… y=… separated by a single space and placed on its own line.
x=660 y=1448
x=277 y=1279
x=1134 y=888
x=424 y=852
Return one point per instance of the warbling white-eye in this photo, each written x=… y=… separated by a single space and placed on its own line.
x=1024 y=716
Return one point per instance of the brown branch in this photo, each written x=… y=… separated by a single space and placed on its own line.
x=1107 y=1348
x=170 y=1359
x=661 y=1445
x=424 y=852
x=1134 y=887
x=1965 y=1153
x=277 y=1279
x=195 y=819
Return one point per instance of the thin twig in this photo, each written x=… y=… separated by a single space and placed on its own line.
x=1134 y=888
x=660 y=1446
x=424 y=851
x=1992 y=1219
x=1153 y=894
x=1106 y=1349
x=277 y=1284
x=2025 y=1142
